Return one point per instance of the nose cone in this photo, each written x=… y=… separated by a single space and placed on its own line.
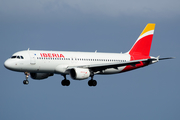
x=9 y=64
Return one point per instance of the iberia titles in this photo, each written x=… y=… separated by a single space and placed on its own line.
x=51 y=55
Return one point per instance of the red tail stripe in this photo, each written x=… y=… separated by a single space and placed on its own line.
x=142 y=47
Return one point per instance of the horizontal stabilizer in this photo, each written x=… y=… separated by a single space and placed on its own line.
x=166 y=58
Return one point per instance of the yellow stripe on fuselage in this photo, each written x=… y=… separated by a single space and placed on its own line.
x=149 y=27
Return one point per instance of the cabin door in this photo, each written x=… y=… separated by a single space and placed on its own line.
x=32 y=58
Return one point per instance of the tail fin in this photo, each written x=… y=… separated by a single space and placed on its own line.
x=142 y=45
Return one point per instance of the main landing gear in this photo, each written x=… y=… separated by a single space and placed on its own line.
x=65 y=82
x=26 y=82
x=92 y=82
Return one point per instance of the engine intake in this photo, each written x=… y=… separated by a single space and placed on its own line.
x=79 y=73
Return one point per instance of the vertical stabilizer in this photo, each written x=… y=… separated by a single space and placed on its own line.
x=142 y=45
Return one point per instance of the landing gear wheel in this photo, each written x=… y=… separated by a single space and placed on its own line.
x=92 y=82
x=65 y=82
x=25 y=82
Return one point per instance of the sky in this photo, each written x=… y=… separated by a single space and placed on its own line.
x=112 y=26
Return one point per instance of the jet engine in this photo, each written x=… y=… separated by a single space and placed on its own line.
x=40 y=76
x=79 y=73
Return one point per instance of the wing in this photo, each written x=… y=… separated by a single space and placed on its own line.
x=103 y=66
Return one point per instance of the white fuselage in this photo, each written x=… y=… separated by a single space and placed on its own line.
x=58 y=61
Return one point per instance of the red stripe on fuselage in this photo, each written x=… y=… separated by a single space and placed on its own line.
x=130 y=67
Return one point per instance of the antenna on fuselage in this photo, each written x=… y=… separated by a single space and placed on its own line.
x=96 y=51
x=28 y=49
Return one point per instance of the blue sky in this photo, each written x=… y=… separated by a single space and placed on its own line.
x=106 y=26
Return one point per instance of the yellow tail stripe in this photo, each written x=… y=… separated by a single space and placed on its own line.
x=149 y=27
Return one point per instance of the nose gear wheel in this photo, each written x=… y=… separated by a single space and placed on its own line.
x=26 y=82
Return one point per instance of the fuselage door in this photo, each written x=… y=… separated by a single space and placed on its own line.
x=32 y=58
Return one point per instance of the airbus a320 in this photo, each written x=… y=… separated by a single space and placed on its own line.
x=41 y=64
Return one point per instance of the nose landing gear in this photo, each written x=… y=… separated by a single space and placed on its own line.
x=26 y=82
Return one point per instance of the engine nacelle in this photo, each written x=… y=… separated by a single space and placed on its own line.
x=40 y=76
x=79 y=73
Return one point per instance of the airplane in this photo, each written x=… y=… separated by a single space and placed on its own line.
x=41 y=64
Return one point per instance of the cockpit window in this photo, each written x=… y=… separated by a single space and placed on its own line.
x=13 y=57
x=18 y=57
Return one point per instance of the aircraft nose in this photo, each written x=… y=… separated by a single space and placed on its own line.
x=8 y=64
